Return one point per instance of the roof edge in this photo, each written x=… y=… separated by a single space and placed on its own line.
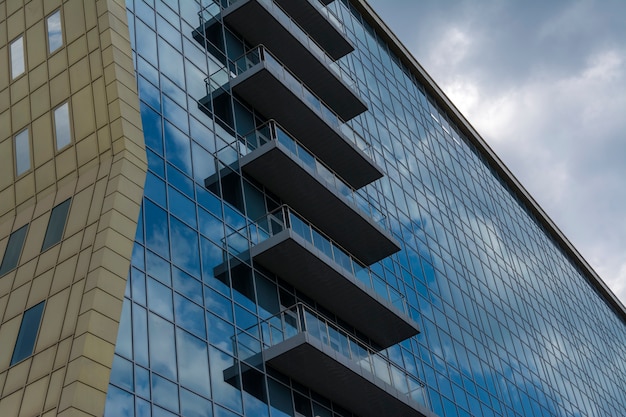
x=474 y=137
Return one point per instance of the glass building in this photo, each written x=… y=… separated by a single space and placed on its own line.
x=221 y=208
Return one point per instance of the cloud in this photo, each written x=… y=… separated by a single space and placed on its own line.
x=545 y=85
x=564 y=138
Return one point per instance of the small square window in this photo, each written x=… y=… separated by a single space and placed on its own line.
x=13 y=250
x=18 y=66
x=55 y=36
x=22 y=152
x=62 y=132
x=27 y=335
x=56 y=225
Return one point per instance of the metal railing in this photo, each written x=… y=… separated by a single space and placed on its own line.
x=220 y=78
x=302 y=319
x=284 y=218
x=271 y=131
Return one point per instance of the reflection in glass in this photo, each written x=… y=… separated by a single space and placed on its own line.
x=18 y=65
x=122 y=373
x=119 y=403
x=192 y=405
x=190 y=316
x=193 y=363
x=164 y=393
x=63 y=135
x=161 y=336
x=55 y=37
x=225 y=393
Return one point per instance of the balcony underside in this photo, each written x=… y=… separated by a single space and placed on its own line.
x=309 y=270
x=301 y=188
x=308 y=65
x=270 y=96
x=308 y=361
x=309 y=18
x=258 y=25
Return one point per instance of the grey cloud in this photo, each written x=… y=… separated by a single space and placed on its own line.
x=545 y=84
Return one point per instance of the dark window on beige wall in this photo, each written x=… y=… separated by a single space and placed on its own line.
x=62 y=131
x=14 y=250
x=22 y=152
x=56 y=225
x=27 y=335
x=55 y=34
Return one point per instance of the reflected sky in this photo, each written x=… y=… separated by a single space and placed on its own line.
x=504 y=315
x=55 y=37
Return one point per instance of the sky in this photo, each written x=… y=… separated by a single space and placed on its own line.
x=544 y=83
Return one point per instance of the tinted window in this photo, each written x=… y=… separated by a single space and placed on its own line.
x=13 y=250
x=28 y=333
x=54 y=233
x=22 y=152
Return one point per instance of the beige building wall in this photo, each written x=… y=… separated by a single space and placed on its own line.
x=83 y=278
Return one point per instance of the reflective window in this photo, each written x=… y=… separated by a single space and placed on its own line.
x=62 y=132
x=18 y=65
x=13 y=250
x=56 y=225
x=28 y=333
x=55 y=37
x=22 y=152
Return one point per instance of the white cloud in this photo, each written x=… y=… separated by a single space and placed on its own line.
x=560 y=136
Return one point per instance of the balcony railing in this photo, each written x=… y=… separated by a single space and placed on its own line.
x=285 y=218
x=272 y=131
x=222 y=77
x=301 y=319
x=259 y=79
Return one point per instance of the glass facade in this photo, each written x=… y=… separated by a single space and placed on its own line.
x=510 y=326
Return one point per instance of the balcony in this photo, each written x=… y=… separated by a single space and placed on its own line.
x=266 y=22
x=295 y=175
x=320 y=24
x=287 y=245
x=264 y=83
x=295 y=48
x=305 y=346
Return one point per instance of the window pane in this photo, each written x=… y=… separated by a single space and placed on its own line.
x=54 y=233
x=62 y=126
x=13 y=250
x=22 y=152
x=55 y=38
x=28 y=333
x=17 y=57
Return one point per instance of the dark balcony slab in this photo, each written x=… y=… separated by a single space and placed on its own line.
x=319 y=201
x=259 y=21
x=324 y=370
x=259 y=25
x=317 y=22
x=311 y=271
x=266 y=89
